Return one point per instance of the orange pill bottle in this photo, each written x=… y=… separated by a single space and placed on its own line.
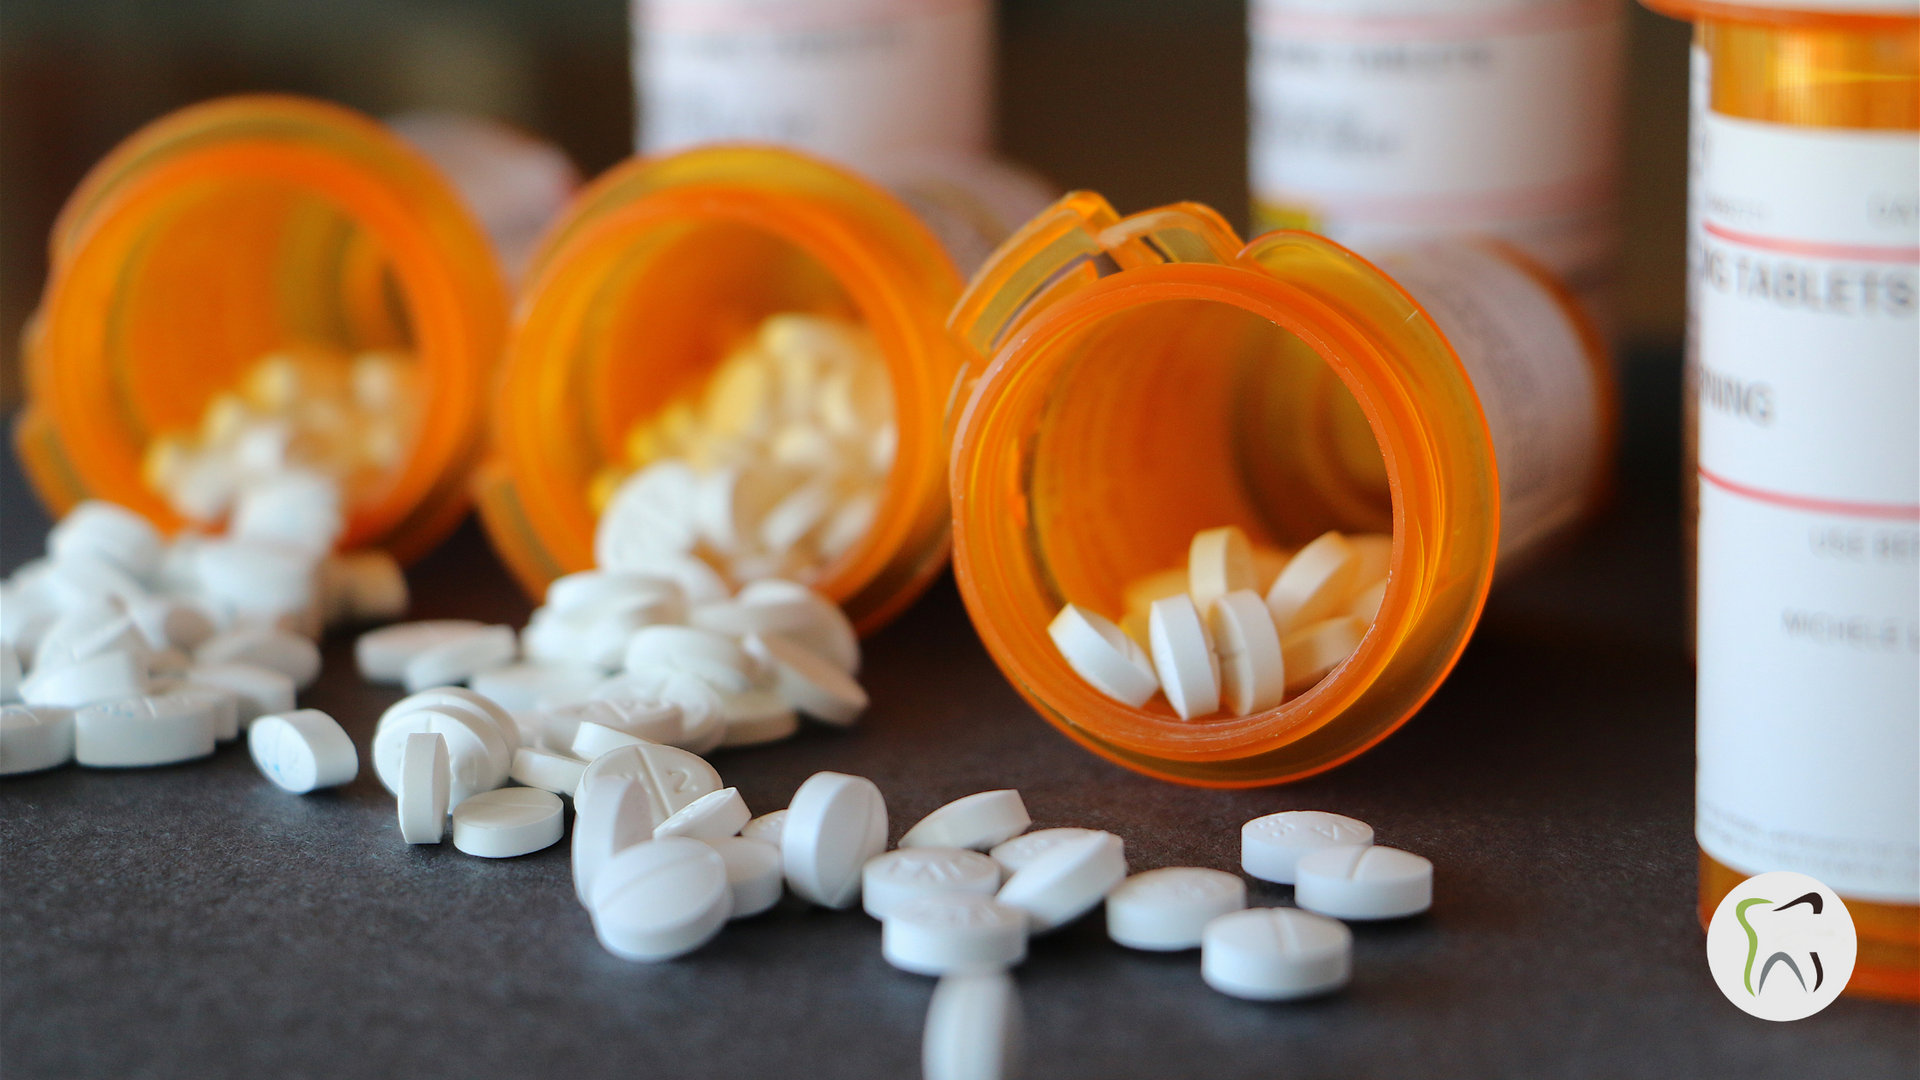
x=1134 y=380
x=228 y=231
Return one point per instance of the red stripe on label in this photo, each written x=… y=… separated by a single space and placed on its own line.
x=1851 y=252
x=1889 y=511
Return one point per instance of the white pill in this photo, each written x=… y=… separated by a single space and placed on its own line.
x=257 y=691
x=1067 y=881
x=458 y=660
x=737 y=619
x=712 y=816
x=264 y=646
x=610 y=814
x=974 y=1029
x=303 y=750
x=1365 y=604
x=222 y=705
x=809 y=682
x=474 y=752
x=1183 y=658
x=943 y=933
x=699 y=583
x=1275 y=954
x=649 y=516
x=107 y=676
x=546 y=770
x=519 y=687
x=382 y=655
x=497 y=721
x=661 y=899
x=10 y=674
x=754 y=873
x=508 y=822
x=1363 y=883
x=757 y=717
x=591 y=739
x=891 y=879
x=111 y=532
x=1107 y=659
x=1253 y=675
x=702 y=708
x=86 y=630
x=827 y=631
x=425 y=787
x=158 y=729
x=1165 y=910
x=83 y=578
x=979 y=821
x=671 y=777
x=1014 y=855
x=592 y=589
x=835 y=823
x=1315 y=650
x=257 y=578
x=697 y=652
x=1219 y=561
x=649 y=721
x=34 y=738
x=170 y=622
x=1271 y=845
x=1315 y=583
x=769 y=827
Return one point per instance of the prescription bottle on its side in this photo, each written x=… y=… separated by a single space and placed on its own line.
x=251 y=227
x=652 y=280
x=1135 y=380
x=1803 y=355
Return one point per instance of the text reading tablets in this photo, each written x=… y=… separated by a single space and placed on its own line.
x=942 y=933
x=974 y=1029
x=1364 y=883
x=1271 y=845
x=895 y=877
x=547 y=770
x=460 y=659
x=425 y=783
x=383 y=654
x=133 y=732
x=1165 y=910
x=835 y=823
x=809 y=682
x=303 y=750
x=508 y=822
x=1275 y=954
x=34 y=737
x=1014 y=855
x=661 y=899
x=1253 y=674
x=671 y=777
x=768 y=827
x=1067 y=880
x=979 y=821
x=1183 y=657
x=1098 y=652
x=610 y=814
x=709 y=817
x=754 y=873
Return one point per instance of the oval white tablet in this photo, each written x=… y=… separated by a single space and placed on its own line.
x=265 y=646
x=546 y=770
x=1253 y=675
x=1315 y=583
x=519 y=687
x=1098 y=652
x=303 y=750
x=809 y=682
x=835 y=823
x=978 y=821
x=895 y=877
x=257 y=691
x=1165 y=910
x=1183 y=657
x=754 y=873
x=135 y=732
x=757 y=717
x=425 y=787
x=661 y=899
x=941 y=933
x=1275 y=954
x=383 y=654
x=974 y=1029
x=610 y=814
x=1363 y=883
x=672 y=778
x=508 y=822
x=768 y=827
x=462 y=658
x=1067 y=880
x=1014 y=855
x=711 y=816
x=34 y=738
x=1271 y=845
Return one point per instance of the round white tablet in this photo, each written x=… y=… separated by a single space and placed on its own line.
x=1014 y=855
x=507 y=822
x=974 y=1029
x=669 y=897
x=1183 y=658
x=1067 y=881
x=754 y=873
x=303 y=750
x=768 y=827
x=835 y=823
x=979 y=821
x=1107 y=659
x=383 y=654
x=460 y=659
x=610 y=814
x=947 y=932
x=546 y=770
x=1364 y=883
x=697 y=652
x=257 y=691
x=474 y=751
x=1275 y=954
x=809 y=682
x=266 y=646
x=671 y=777
x=1253 y=674
x=827 y=632
x=132 y=732
x=891 y=879
x=757 y=717
x=425 y=786
x=34 y=738
x=461 y=700
x=702 y=709
x=519 y=687
x=112 y=675
x=709 y=817
x=222 y=705
x=1165 y=910
x=591 y=739
x=1271 y=845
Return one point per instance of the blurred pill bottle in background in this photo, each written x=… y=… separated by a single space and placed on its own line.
x=1803 y=379
x=257 y=284
x=1379 y=122
x=1133 y=380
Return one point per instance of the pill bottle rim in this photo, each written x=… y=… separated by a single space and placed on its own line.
x=1781 y=14
x=74 y=447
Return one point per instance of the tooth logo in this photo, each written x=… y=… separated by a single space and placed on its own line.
x=1781 y=946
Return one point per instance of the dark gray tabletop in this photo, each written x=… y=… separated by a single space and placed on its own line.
x=198 y=922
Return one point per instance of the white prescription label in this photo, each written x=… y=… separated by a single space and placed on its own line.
x=1387 y=121
x=1806 y=383
x=859 y=81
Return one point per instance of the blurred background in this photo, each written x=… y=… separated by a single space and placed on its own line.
x=1142 y=100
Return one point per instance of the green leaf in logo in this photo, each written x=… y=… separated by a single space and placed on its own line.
x=1753 y=939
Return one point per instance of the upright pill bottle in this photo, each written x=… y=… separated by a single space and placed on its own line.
x=656 y=273
x=229 y=230
x=1388 y=121
x=1134 y=380
x=1804 y=377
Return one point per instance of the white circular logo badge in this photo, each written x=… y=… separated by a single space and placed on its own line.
x=1781 y=946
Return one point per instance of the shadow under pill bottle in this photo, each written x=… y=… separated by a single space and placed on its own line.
x=1134 y=380
x=1804 y=457
x=264 y=283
